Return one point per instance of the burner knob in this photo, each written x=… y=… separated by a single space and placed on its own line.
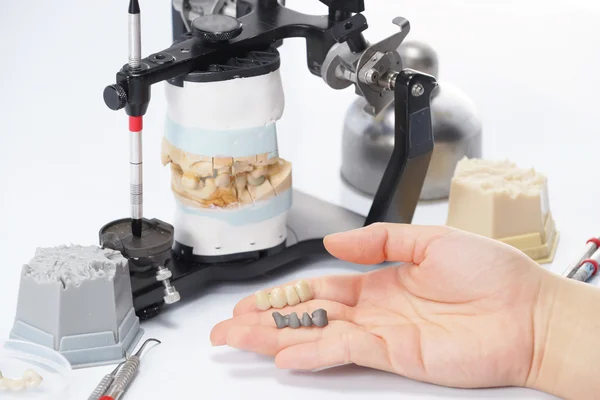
x=216 y=27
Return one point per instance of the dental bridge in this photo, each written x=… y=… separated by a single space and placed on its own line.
x=235 y=219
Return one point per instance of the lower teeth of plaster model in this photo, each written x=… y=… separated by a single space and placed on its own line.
x=318 y=318
x=31 y=379
x=281 y=297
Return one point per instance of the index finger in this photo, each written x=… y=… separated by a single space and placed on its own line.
x=344 y=289
x=381 y=242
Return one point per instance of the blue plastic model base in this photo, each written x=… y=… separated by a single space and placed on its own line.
x=87 y=350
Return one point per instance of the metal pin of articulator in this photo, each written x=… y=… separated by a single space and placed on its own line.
x=338 y=53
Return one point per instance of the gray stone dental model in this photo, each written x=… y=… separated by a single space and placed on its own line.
x=318 y=318
x=77 y=300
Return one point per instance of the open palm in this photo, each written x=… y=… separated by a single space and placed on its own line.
x=459 y=312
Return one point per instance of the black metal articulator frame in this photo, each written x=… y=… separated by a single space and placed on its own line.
x=310 y=219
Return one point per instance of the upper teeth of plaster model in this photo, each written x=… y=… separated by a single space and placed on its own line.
x=30 y=379
x=226 y=181
x=288 y=296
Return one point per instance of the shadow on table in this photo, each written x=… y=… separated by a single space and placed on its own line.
x=352 y=378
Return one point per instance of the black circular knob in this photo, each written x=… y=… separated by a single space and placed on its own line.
x=216 y=27
x=115 y=97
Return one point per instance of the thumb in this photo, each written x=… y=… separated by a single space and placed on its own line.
x=382 y=242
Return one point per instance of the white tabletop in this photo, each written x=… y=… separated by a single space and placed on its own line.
x=530 y=66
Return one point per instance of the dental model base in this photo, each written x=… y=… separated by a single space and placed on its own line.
x=237 y=214
x=318 y=319
x=501 y=201
x=30 y=379
x=77 y=300
x=281 y=297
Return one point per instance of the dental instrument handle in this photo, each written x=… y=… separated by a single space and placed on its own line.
x=104 y=384
x=123 y=378
x=588 y=268
x=101 y=388
x=126 y=374
x=591 y=246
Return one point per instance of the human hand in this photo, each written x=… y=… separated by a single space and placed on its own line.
x=462 y=311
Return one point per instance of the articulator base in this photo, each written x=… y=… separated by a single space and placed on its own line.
x=162 y=271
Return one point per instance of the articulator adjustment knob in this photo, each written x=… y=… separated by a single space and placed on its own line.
x=115 y=97
x=216 y=28
x=171 y=294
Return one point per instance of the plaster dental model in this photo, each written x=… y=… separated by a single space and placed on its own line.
x=77 y=300
x=227 y=177
x=30 y=379
x=499 y=200
x=318 y=318
x=281 y=297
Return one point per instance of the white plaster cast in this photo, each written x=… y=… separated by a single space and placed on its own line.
x=235 y=104
x=215 y=237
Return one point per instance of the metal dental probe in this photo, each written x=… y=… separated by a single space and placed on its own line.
x=104 y=384
x=135 y=125
x=591 y=246
x=126 y=374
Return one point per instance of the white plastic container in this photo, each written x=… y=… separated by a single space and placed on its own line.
x=16 y=357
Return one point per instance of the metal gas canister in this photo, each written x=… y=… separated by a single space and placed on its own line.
x=367 y=142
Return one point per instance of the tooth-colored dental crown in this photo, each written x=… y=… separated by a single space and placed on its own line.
x=30 y=379
x=277 y=298
x=281 y=297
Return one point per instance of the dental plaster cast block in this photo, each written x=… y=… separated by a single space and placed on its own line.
x=233 y=192
x=78 y=301
x=499 y=200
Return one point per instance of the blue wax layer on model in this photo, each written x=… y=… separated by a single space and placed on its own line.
x=236 y=143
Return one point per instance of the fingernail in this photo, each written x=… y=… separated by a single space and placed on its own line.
x=341 y=233
x=331 y=366
x=331 y=236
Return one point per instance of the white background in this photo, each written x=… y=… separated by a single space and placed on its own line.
x=530 y=66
